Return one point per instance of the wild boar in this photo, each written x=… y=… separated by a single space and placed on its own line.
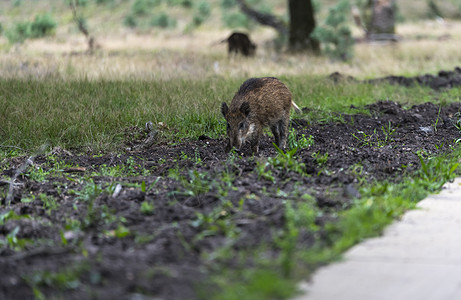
x=259 y=103
x=239 y=42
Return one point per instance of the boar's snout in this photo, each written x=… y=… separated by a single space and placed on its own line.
x=238 y=125
x=235 y=143
x=235 y=140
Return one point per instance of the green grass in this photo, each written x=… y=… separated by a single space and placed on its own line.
x=93 y=115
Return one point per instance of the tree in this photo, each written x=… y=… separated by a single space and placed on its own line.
x=81 y=24
x=378 y=19
x=382 y=17
x=302 y=24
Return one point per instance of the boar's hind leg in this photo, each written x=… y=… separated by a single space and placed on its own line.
x=276 y=131
x=283 y=131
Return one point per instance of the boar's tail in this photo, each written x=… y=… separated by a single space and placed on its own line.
x=215 y=43
x=297 y=109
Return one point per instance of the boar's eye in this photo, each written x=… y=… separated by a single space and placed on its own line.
x=228 y=127
x=242 y=125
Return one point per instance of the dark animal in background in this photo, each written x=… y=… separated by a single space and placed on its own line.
x=259 y=103
x=239 y=42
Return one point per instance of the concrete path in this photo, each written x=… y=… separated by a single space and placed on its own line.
x=417 y=258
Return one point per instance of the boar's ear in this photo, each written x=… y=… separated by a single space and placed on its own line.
x=245 y=108
x=224 y=109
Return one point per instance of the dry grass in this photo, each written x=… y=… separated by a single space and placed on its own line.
x=426 y=46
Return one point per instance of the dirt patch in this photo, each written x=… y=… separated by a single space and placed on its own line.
x=163 y=233
x=443 y=80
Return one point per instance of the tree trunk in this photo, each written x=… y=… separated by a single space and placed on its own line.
x=302 y=23
x=81 y=26
x=382 y=21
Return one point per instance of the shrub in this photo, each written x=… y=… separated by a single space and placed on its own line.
x=183 y=3
x=142 y=7
x=228 y=3
x=204 y=9
x=43 y=25
x=82 y=2
x=162 y=20
x=316 y=5
x=102 y=2
x=139 y=7
x=130 y=21
x=335 y=35
x=202 y=13
x=186 y=3
x=19 y=33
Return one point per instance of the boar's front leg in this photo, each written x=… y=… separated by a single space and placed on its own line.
x=255 y=140
x=228 y=146
x=276 y=132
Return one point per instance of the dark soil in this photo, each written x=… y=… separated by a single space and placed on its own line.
x=168 y=253
x=443 y=80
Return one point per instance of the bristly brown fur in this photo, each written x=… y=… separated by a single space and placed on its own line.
x=259 y=102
